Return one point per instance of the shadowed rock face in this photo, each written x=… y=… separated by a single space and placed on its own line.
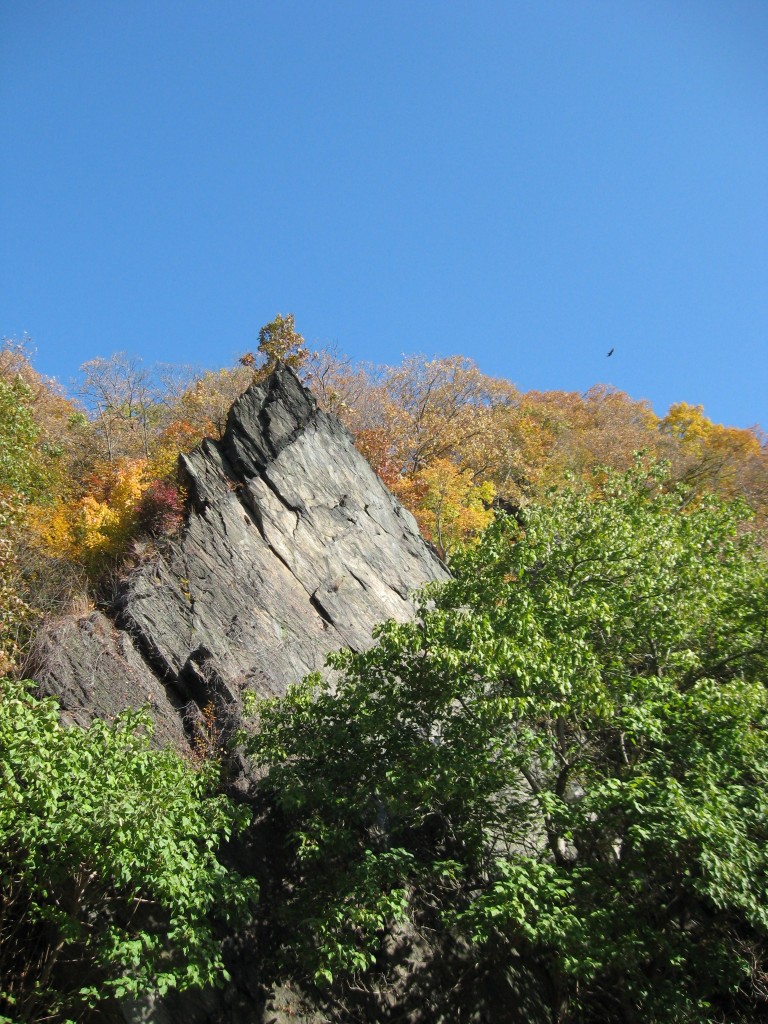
x=292 y=548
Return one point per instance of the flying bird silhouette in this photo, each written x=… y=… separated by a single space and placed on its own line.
x=611 y=352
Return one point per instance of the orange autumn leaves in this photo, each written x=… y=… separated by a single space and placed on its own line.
x=450 y=441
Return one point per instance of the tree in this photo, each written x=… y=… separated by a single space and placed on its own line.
x=122 y=399
x=709 y=456
x=440 y=408
x=64 y=441
x=38 y=453
x=339 y=385
x=279 y=342
x=16 y=615
x=559 y=432
x=94 y=530
x=424 y=420
x=452 y=509
x=110 y=883
x=22 y=464
x=560 y=767
x=204 y=407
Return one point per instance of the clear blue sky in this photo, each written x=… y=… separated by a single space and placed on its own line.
x=526 y=183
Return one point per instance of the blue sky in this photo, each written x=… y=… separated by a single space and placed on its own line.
x=526 y=183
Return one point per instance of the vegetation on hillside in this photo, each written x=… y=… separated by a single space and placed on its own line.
x=83 y=476
x=109 y=880
x=552 y=783
x=554 y=780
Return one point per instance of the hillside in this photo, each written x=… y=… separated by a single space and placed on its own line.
x=538 y=797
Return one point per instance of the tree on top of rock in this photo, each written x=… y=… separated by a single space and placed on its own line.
x=279 y=342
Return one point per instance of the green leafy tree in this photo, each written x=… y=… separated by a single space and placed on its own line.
x=560 y=768
x=25 y=476
x=110 y=884
x=16 y=615
x=22 y=462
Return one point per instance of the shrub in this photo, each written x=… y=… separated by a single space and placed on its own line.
x=160 y=511
x=110 y=881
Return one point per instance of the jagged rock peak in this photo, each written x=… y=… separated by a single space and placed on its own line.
x=292 y=547
x=266 y=418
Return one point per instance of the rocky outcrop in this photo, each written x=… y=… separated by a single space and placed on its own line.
x=292 y=548
x=94 y=669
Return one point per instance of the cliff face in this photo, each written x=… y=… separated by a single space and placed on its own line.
x=292 y=548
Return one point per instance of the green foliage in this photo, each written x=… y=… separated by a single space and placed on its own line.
x=562 y=763
x=16 y=616
x=109 y=877
x=22 y=463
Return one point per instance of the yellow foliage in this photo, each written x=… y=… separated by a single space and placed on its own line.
x=205 y=406
x=559 y=432
x=50 y=529
x=452 y=508
x=92 y=529
x=685 y=422
x=711 y=456
x=179 y=436
x=129 y=483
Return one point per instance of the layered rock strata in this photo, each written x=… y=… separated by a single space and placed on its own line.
x=292 y=548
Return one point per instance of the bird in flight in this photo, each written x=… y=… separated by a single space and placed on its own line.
x=611 y=352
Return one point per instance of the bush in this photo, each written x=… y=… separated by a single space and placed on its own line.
x=110 y=881
x=160 y=511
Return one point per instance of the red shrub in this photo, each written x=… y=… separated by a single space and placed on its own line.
x=160 y=510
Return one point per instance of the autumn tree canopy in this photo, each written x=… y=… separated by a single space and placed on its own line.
x=86 y=474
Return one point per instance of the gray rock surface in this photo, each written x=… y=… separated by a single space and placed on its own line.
x=93 y=668
x=292 y=548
